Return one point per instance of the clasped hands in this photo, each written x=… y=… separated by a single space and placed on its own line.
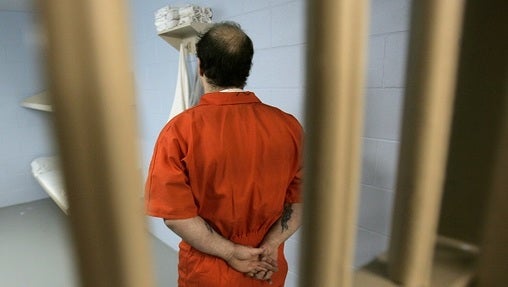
x=259 y=263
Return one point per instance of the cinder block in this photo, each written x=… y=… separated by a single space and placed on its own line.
x=395 y=60
x=375 y=61
x=386 y=164
x=375 y=209
x=389 y=16
x=383 y=112
x=369 y=152
x=257 y=26
x=288 y=24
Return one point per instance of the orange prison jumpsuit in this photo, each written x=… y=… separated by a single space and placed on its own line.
x=234 y=161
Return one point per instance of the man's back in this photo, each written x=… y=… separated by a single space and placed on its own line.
x=244 y=156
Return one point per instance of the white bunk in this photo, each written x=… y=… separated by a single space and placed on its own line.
x=47 y=172
x=46 y=169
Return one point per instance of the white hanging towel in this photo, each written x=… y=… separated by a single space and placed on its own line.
x=181 y=100
x=197 y=90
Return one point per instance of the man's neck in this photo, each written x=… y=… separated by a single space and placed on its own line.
x=210 y=88
x=231 y=90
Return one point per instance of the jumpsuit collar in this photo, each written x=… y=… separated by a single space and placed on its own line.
x=228 y=98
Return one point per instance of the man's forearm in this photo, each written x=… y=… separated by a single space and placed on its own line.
x=288 y=223
x=200 y=235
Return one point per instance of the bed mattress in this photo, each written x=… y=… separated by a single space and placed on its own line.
x=47 y=172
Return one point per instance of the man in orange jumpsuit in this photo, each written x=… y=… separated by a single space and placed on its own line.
x=226 y=174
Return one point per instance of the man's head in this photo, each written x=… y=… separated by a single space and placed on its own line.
x=225 y=55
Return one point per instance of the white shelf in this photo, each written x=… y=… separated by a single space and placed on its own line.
x=47 y=172
x=40 y=102
x=188 y=34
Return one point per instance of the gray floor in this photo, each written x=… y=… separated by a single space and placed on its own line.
x=35 y=250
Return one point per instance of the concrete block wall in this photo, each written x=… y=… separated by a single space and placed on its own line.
x=387 y=50
x=24 y=133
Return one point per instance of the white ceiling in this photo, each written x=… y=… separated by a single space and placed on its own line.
x=16 y=5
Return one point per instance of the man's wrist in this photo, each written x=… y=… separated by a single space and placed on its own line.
x=229 y=252
x=270 y=244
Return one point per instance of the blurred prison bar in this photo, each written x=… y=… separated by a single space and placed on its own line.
x=91 y=82
x=450 y=216
x=451 y=212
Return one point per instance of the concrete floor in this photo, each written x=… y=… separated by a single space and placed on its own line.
x=36 y=251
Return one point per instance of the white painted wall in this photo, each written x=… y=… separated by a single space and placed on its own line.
x=24 y=134
x=389 y=25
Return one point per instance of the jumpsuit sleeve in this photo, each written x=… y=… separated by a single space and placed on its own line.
x=294 y=191
x=167 y=192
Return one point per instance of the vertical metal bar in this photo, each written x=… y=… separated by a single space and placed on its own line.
x=484 y=87
x=335 y=74
x=482 y=75
x=493 y=267
x=91 y=82
x=435 y=33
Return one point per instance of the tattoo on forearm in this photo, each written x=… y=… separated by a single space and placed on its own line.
x=208 y=227
x=286 y=216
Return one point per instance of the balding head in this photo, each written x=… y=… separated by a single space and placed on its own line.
x=225 y=54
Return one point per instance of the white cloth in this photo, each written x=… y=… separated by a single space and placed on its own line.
x=166 y=25
x=181 y=99
x=162 y=11
x=168 y=17
x=167 y=12
x=189 y=11
x=197 y=89
x=188 y=20
x=207 y=12
x=193 y=14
